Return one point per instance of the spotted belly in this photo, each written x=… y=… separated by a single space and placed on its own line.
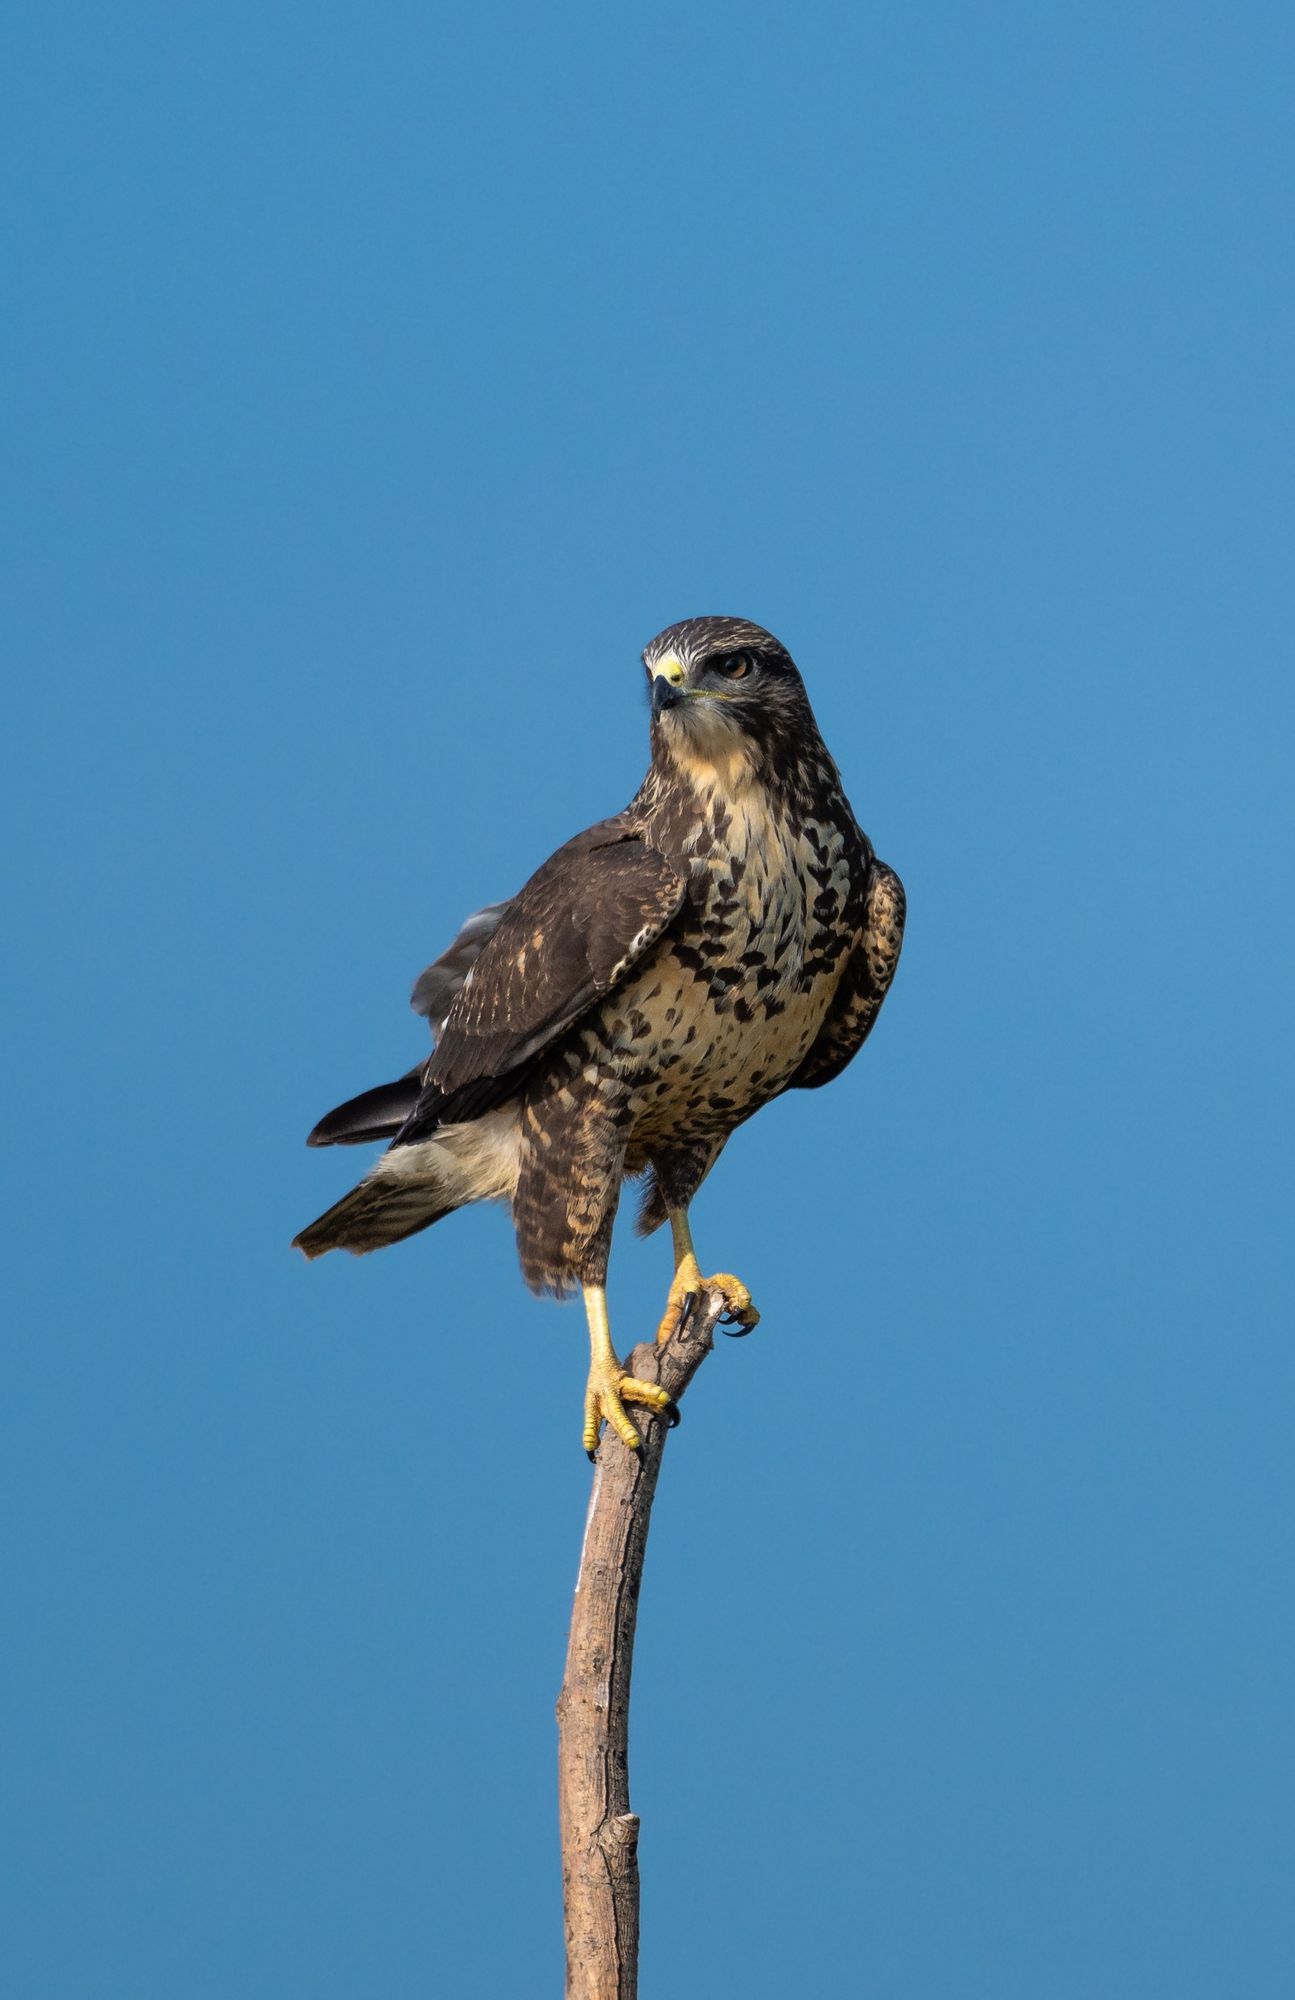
x=714 y=1022
x=713 y=1060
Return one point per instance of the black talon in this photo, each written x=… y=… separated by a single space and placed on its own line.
x=686 y=1311
x=592 y=1456
x=734 y=1327
x=672 y=1413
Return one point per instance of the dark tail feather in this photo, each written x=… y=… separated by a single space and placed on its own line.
x=374 y=1114
x=372 y=1215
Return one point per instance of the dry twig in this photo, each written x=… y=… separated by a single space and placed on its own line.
x=600 y=1877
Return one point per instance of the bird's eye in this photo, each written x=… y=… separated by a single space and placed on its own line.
x=734 y=666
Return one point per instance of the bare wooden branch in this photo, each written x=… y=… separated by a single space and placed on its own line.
x=600 y=1877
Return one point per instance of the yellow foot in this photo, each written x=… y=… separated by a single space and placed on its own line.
x=739 y=1313
x=610 y=1388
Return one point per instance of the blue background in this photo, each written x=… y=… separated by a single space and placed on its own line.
x=378 y=381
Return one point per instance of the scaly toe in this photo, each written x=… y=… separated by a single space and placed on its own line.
x=605 y=1400
x=738 y=1309
x=679 y=1305
x=738 y=1317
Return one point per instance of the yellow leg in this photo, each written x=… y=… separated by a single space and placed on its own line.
x=610 y=1388
x=688 y=1279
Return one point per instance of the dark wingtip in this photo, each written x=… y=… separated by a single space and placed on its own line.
x=374 y=1114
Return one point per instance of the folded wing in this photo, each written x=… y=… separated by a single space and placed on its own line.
x=565 y=940
x=516 y=977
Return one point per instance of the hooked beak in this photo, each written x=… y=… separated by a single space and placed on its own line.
x=667 y=683
x=664 y=695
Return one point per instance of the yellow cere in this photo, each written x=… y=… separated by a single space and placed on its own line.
x=669 y=668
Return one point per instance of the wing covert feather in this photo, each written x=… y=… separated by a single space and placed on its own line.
x=568 y=937
x=436 y=989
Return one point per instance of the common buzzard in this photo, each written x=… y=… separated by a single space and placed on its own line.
x=728 y=936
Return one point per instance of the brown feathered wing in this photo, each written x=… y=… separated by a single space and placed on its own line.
x=517 y=976
x=564 y=941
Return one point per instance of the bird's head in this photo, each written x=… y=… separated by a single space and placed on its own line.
x=725 y=693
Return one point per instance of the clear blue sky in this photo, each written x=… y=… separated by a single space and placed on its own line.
x=378 y=380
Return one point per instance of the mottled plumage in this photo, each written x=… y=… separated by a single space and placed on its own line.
x=729 y=936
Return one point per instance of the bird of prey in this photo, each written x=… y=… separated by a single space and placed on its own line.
x=728 y=936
